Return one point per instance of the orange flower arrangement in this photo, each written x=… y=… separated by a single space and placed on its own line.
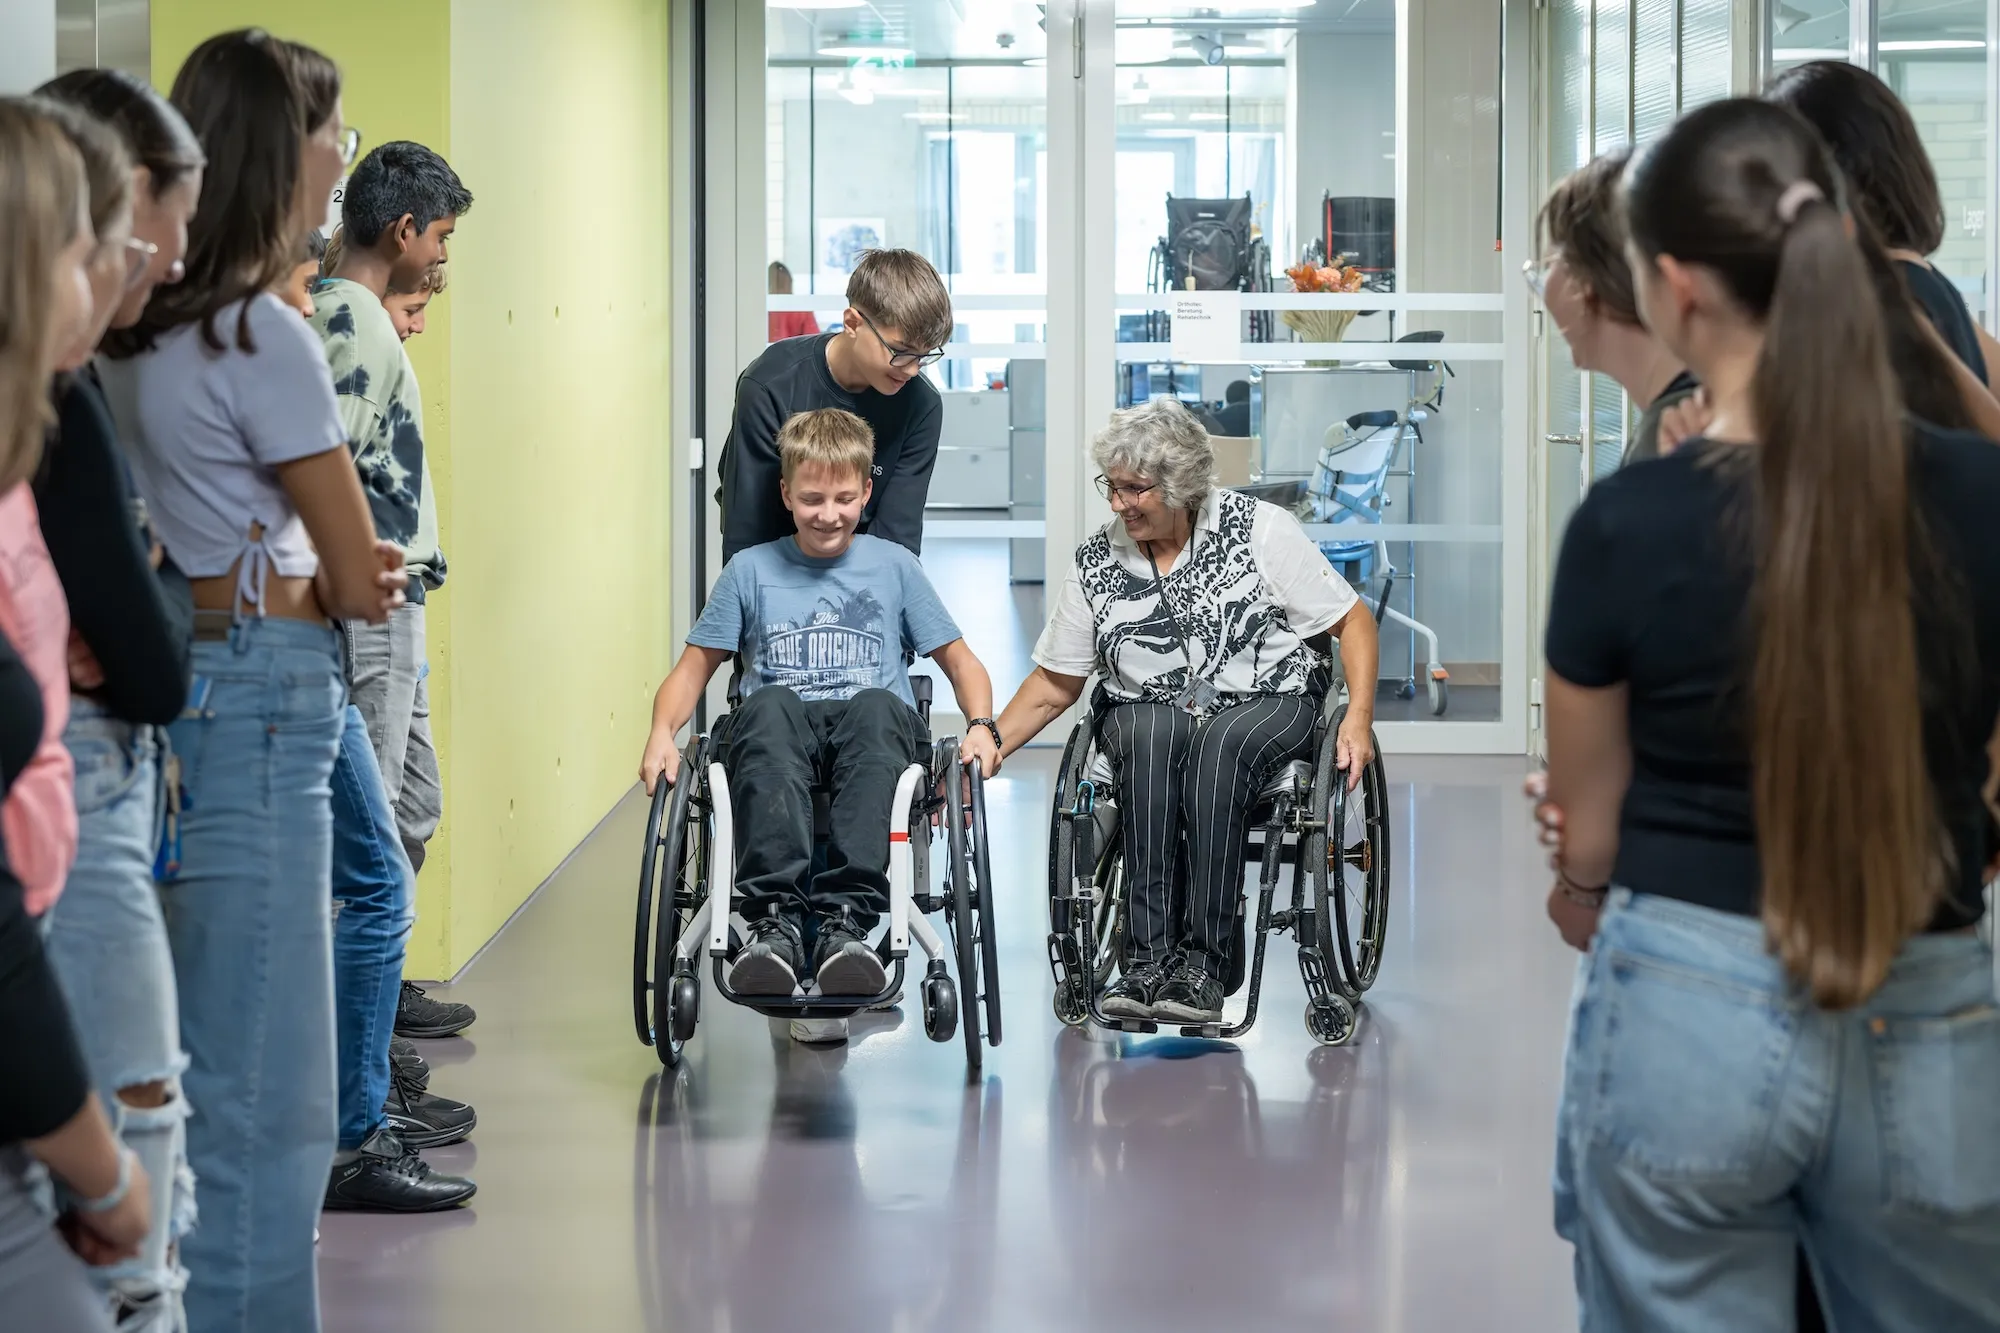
x=1321 y=326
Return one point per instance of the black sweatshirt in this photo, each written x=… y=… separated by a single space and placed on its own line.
x=791 y=377
x=42 y=1076
x=136 y=622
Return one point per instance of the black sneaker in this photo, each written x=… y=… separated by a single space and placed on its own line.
x=844 y=963
x=769 y=961
x=389 y=1177
x=1131 y=996
x=403 y=1057
x=424 y=1119
x=1191 y=995
x=418 y=1015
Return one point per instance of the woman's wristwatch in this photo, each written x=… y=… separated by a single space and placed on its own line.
x=992 y=728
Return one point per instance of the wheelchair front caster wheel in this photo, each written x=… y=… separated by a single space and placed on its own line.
x=940 y=1008
x=1440 y=696
x=1071 y=1009
x=684 y=1006
x=1330 y=1019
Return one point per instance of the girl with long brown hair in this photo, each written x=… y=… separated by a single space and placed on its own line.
x=1774 y=676
x=226 y=406
x=47 y=1108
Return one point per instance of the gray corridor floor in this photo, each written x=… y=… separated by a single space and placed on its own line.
x=1143 y=1183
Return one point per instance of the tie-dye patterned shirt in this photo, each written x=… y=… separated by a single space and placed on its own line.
x=382 y=409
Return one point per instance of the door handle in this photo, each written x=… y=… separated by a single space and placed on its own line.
x=1576 y=440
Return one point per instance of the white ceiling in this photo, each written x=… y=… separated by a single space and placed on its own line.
x=1010 y=30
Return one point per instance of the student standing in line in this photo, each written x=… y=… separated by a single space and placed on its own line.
x=1773 y=692
x=898 y=320
x=387 y=1113
x=131 y=614
x=224 y=400
x=48 y=1112
x=399 y=210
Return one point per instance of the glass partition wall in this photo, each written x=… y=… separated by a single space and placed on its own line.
x=1050 y=160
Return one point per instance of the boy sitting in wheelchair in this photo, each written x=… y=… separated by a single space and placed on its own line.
x=821 y=622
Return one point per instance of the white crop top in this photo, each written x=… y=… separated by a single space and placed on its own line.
x=206 y=431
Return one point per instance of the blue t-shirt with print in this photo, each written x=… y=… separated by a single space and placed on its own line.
x=825 y=628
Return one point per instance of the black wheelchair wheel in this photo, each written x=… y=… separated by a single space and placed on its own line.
x=963 y=921
x=982 y=874
x=672 y=882
x=1107 y=926
x=1349 y=859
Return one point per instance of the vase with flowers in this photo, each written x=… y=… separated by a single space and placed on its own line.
x=1322 y=326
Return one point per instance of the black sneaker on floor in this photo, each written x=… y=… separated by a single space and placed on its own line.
x=1131 y=996
x=418 y=1015
x=389 y=1177
x=1191 y=995
x=424 y=1119
x=770 y=960
x=844 y=963
x=403 y=1056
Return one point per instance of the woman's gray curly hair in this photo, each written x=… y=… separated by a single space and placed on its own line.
x=1164 y=443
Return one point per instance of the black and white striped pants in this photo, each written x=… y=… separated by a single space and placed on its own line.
x=1183 y=777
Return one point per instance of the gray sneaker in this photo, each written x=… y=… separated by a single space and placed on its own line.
x=769 y=961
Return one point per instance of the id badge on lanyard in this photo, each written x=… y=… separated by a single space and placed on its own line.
x=1198 y=698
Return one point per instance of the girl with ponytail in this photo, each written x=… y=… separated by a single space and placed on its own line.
x=1774 y=676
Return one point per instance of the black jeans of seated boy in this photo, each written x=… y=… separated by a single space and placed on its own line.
x=775 y=751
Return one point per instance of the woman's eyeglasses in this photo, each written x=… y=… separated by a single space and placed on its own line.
x=899 y=358
x=1535 y=272
x=350 y=146
x=136 y=255
x=1129 y=494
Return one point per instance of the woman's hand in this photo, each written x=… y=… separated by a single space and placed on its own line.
x=662 y=759
x=117 y=1233
x=391 y=582
x=1354 y=747
x=978 y=745
x=85 y=672
x=1548 y=817
x=1684 y=421
x=1575 y=917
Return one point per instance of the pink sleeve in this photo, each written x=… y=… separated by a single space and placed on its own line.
x=38 y=818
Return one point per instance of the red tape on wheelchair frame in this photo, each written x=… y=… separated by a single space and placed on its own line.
x=899 y=837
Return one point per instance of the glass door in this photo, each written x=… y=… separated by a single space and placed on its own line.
x=1327 y=178
x=1610 y=73
x=924 y=126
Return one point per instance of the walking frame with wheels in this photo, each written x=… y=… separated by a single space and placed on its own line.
x=691 y=838
x=1305 y=818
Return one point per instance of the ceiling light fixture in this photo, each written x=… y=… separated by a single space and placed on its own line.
x=850 y=48
x=1944 y=44
x=1145 y=46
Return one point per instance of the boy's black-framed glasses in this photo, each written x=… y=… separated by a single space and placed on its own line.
x=897 y=356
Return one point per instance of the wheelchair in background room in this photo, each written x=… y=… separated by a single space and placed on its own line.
x=1348 y=488
x=690 y=854
x=1305 y=818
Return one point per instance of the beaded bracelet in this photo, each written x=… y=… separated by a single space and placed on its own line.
x=1581 y=895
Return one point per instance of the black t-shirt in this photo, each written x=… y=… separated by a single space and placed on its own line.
x=137 y=622
x=791 y=377
x=1652 y=590
x=1946 y=308
x=42 y=1077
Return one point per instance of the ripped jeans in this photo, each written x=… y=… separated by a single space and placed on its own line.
x=108 y=943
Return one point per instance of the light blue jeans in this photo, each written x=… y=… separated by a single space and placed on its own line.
x=248 y=921
x=108 y=943
x=1712 y=1122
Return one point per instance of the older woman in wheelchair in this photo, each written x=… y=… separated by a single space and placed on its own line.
x=1202 y=613
x=828 y=732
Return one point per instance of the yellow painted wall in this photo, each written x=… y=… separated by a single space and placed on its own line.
x=560 y=492
x=545 y=371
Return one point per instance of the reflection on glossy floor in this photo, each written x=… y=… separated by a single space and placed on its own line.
x=1147 y=1184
